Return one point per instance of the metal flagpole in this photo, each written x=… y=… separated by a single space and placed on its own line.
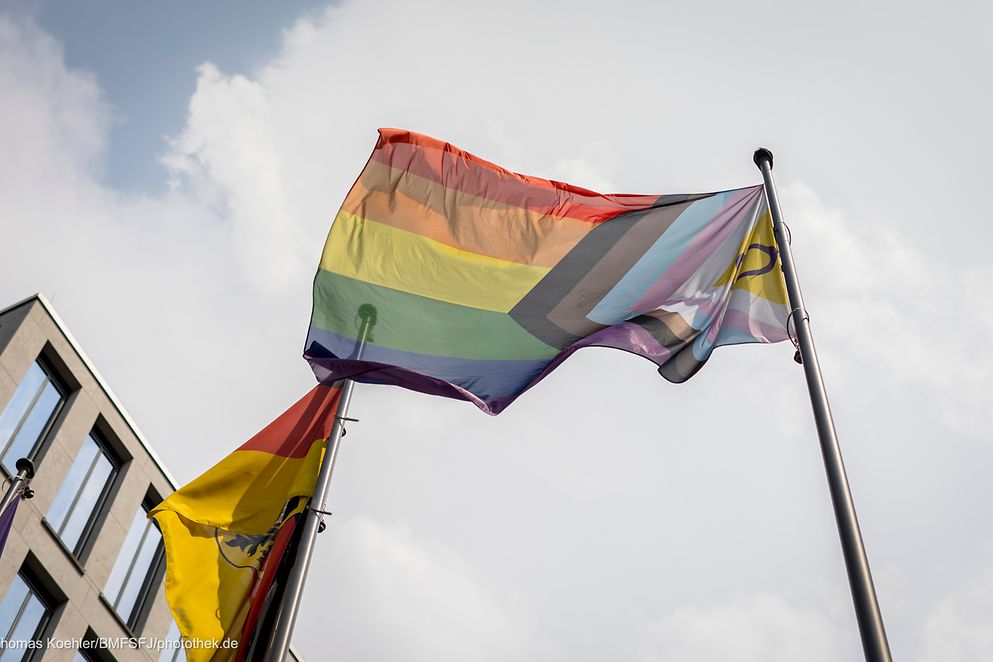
x=870 y=621
x=19 y=482
x=283 y=630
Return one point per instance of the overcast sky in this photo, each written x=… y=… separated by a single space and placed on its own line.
x=168 y=173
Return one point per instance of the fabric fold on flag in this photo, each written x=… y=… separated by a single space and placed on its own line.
x=484 y=280
x=226 y=532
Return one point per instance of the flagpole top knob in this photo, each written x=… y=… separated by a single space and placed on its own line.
x=762 y=155
x=367 y=313
x=25 y=466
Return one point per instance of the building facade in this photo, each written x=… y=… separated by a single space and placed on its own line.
x=82 y=564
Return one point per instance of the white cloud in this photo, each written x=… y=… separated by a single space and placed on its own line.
x=228 y=155
x=53 y=121
x=883 y=302
x=393 y=595
x=149 y=284
x=591 y=166
x=760 y=628
x=959 y=628
x=586 y=502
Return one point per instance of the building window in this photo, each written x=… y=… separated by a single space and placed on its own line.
x=24 y=615
x=173 y=651
x=28 y=415
x=92 y=649
x=129 y=589
x=85 y=655
x=82 y=495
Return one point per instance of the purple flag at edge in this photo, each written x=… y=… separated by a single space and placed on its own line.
x=6 y=521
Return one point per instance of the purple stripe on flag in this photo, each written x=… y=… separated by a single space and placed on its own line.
x=7 y=520
x=328 y=369
x=486 y=379
x=629 y=337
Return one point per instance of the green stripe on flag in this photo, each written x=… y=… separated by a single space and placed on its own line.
x=413 y=323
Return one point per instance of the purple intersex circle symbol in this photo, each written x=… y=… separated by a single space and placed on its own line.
x=768 y=250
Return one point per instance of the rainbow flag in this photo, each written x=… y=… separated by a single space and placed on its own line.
x=226 y=532
x=484 y=280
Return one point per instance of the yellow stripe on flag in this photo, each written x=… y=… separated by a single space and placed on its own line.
x=408 y=262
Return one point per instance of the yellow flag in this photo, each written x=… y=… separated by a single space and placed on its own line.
x=227 y=531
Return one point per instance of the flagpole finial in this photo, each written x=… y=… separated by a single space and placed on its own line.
x=762 y=155
x=25 y=465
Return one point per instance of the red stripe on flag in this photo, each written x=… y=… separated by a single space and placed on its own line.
x=457 y=169
x=296 y=430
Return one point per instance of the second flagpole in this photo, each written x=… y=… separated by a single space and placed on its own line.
x=870 y=621
x=290 y=604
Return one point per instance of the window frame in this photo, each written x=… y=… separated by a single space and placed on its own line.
x=92 y=648
x=62 y=387
x=135 y=621
x=87 y=537
x=177 y=654
x=52 y=604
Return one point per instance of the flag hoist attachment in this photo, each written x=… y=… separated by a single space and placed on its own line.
x=20 y=483
x=314 y=514
x=874 y=643
x=20 y=488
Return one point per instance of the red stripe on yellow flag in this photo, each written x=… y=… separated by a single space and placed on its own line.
x=226 y=531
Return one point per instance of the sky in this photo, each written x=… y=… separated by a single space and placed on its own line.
x=168 y=174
